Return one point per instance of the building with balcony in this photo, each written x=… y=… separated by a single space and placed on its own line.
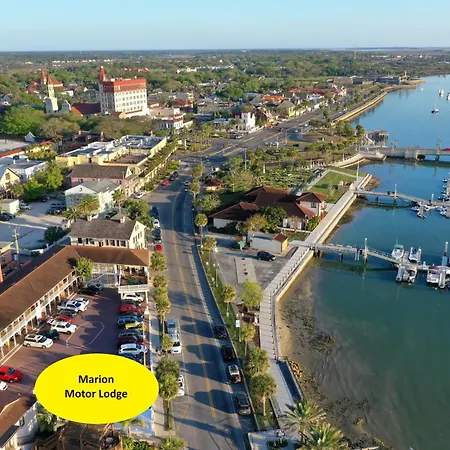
x=39 y=286
x=119 y=231
x=7 y=179
x=18 y=421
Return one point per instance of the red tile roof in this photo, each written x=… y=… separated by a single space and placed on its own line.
x=86 y=108
x=313 y=197
x=239 y=212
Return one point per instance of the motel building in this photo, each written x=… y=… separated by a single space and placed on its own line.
x=31 y=294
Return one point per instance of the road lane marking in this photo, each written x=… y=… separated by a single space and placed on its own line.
x=183 y=282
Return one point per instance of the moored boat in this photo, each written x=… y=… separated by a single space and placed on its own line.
x=398 y=252
x=412 y=273
x=433 y=275
x=414 y=254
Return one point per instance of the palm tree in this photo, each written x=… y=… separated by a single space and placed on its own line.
x=118 y=197
x=325 y=437
x=257 y=362
x=263 y=386
x=247 y=333
x=166 y=344
x=172 y=443
x=88 y=204
x=302 y=416
x=160 y=281
x=163 y=306
x=167 y=366
x=71 y=214
x=132 y=421
x=228 y=295
x=201 y=221
x=46 y=420
x=168 y=390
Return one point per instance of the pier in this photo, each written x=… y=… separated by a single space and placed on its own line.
x=410 y=152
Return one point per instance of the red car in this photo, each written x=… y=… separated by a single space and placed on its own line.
x=127 y=307
x=129 y=340
x=165 y=182
x=158 y=248
x=64 y=319
x=10 y=375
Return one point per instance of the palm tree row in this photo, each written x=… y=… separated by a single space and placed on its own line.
x=306 y=418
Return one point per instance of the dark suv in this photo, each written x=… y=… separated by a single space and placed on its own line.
x=220 y=332
x=265 y=256
x=228 y=353
x=242 y=404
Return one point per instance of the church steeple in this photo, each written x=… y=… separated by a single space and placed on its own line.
x=102 y=74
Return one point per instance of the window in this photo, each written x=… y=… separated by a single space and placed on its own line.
x=80 y=240
x=21 y=422
x=123 y=243
x=313 y=205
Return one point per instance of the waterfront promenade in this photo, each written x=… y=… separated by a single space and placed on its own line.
x=280 y=284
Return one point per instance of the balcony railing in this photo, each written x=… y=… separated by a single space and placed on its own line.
x=133 y=288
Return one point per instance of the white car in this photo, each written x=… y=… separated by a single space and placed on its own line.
x=132 y=349
x=171 y=327
x=64 y=327
x=36 y=340
x=3 y=386
x=139 y=195
x=73 y=305
x=181 y=386
x=133 y=297
x=156 y=223
x=187 y=183
x=24 y=206
x=176 y=346
x=81 y=300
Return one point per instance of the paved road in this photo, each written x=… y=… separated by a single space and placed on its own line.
x=205 y=417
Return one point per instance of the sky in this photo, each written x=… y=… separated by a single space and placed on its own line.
x=227 y=24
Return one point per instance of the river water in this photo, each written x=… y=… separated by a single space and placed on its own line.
x=392 y=340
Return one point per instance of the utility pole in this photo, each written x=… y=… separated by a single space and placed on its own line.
x=245 y=158
x=16 y=242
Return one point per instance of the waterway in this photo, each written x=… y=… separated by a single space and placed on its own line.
x=391 y=351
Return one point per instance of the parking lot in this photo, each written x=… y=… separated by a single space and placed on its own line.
x=96 y=333
x=31 y=225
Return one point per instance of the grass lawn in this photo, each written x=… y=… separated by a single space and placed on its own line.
x=332 y=179
x=351 y=172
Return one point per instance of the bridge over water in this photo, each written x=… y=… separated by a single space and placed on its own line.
x=411 y=152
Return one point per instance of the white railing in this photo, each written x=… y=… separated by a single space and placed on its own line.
x=133 y=288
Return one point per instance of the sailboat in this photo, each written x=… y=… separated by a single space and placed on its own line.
x=434 y=110
x=441 y=92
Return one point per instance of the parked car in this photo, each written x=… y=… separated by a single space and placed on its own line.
x=156 y=223
x=137 y=333
x=154 y=212
x=234 y=374
x=139 y=195
x=73 y=305
x=11 y=216
x=24 y=206
x=4 y=218
x=133 y=326
x=220 y=332
x=81 y=300
x=138 y=358
x=165 y=182
x=129 y=340
x=50 y=333
x=43 y=199
x=171 y=327
x=158 y=248
x=90 y=290
x=171 y=177
x=157 y=240
x=181 y=386
x=228 y=353
x=187 y=183
x=68 y=313
x=265 y=256
x=36 y=340
x=10 y=374
x=130 y=307
x=129 y=320
x=175 y=174
x=3 y=386
x=61 y=318
x=133 y=297
x=176 y=344
x=64 y=327
x=135 y=314
x=242 y=404
x=134 y=349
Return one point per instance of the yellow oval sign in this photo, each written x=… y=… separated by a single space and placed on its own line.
x=96 y=388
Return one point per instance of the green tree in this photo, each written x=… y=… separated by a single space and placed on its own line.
x=261 y=387
x=228 y=295
x=132 y=421
x=71 y=214
x=168 y=390
x=201 y=221
x=167 y=366
x=210 y=243
x=166 y=343
x=84 y=268
x=46 y=420
x=163 y=307
x=247 y=333
x=209 y=203
x=325 y=437
x=17 y=190
x=19 y=120
x=52 y=178
x=158 y=262
x=197 y=171
x=256 y=362
x=32 y=190
x=88 y=205
x=53 y=234
x=312 y=223
x=118 y=197
x=360 y=131
x=194 y=188
x=137 y=208
x=242 y=180
x=160 y=281
x=256 y=222
x=274 y=216
x=235 y=163
x=172 y=443
x=56 y=126
x=302 y=416
x=251 y=294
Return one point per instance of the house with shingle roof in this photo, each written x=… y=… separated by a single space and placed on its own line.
x=119 y=231
x=299 y=209
x=286 y=108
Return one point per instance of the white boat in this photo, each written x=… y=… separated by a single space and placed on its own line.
x=295 y=131
x=426 y=207
x=445 y=180
x=443 y=212
x=434 y=110
x=448 y=96
x=414 y=254
x=433 y=275
x=398 y=252
x=421 y=215
x=411 y=274
x=415 y=208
